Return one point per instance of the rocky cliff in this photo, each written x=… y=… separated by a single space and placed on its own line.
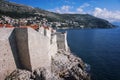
x=64 y=66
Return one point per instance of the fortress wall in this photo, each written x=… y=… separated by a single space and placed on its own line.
x=48 y=33
x=66 y=43
x=52 y=39
x=22 y=45
x=53 y=45
x=38 y=49
x=52 y=50
x=62 y=41
x=35 y=49
x=28 y=49
x=45 y=31
x=7 y=61
x=41 y=30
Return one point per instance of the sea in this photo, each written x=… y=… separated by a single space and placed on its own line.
x=100 y=48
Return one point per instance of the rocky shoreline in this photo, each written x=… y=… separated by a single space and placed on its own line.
x=64 y=66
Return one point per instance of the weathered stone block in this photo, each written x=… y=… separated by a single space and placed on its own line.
x=7 y=60
x=22 y=45
x=38 y=49
x=62 y=41
x=32 y=48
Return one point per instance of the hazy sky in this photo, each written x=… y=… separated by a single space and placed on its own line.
x=106 y=9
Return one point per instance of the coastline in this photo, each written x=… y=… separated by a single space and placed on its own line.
x=85 y=28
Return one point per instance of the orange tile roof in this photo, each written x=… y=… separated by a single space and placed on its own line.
x=23 y=26
x=32 y=26
x=8 y=26
x=1 y=25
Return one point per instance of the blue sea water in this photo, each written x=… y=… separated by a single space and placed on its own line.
x=100 y=48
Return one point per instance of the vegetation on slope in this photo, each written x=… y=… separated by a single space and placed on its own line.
x=15 y=10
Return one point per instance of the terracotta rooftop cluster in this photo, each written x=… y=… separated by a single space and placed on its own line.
x=8 y=22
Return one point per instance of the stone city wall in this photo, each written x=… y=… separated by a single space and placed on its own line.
x=38 y=49
x=62 y=41
x=53 y=45
x=26 y=48
x=23 y=47
x=7 y=60
x=32 y=48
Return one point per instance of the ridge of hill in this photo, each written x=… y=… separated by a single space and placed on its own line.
x=15 y=10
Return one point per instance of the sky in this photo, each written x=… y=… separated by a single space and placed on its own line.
x=106 y=9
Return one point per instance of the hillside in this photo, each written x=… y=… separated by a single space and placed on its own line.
x=15 y=10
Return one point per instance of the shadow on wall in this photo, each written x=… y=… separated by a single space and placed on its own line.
x=14 y=49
